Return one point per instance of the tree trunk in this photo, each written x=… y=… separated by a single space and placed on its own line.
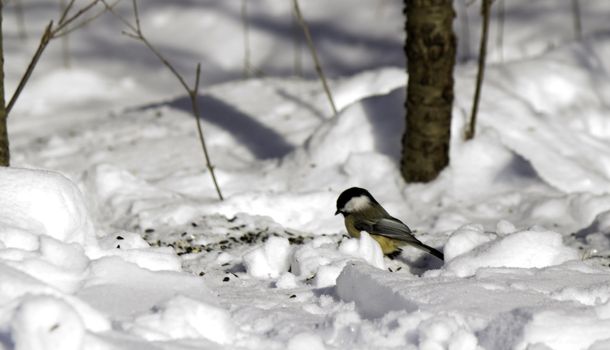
x=4 y=153
x=430 y=50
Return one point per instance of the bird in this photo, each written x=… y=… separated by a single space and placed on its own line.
x=363 y=213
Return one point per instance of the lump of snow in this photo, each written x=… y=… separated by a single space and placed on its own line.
x=367 y=286
x=46 y=323
x=445 y=332
x=525 y=249
x=564 y=330
x=465 y=239
x=43 y=203
x=268 y=260
x=286 y=281
x=123 y=289
x=58 y=264
x=181 y=318
x=132 y=248
x=365 y=248
x=323 y=262
x=306 y=341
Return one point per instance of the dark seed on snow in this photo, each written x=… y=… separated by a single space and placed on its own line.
x=234 y=275
x=183 y=234
x=119 y=238
x=118 y=246
x=149 y=230
x=225 y=264
x=201 y=273
x=193 y=224
x=226 y=279
x=293 y=296
x=224 y=241
x=399 y=268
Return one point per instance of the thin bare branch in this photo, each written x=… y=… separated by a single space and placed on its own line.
x=136 y=14
x=314 y=54
x=485 y=12
x=192 y=92
x=246 y=33
x=84 y=22
x=197 y=78
x=65 y=11
x=195 y=105
x=51 y=31
x=119 y=17
x=576 y=19
x=66 y=22
x=44 y=41
x=131 y=35
x=500 y=33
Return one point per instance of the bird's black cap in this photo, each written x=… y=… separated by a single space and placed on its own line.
x=350 y=193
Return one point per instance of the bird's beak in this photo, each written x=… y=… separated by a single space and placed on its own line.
x=338 y=212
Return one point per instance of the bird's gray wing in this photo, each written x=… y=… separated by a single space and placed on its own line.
x=388 y=227
x=395 y=229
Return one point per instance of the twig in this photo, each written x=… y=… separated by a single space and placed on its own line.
x=65 y=42
x=20 y=19
x=52 y=31
x=244 y=19
x=485 y=9
x=465 y=32
x=194 y=103
x=296 y=36
x=136 y=33
x=44 y=41
x=500 y=33
x=576 y=17
x=312 y=49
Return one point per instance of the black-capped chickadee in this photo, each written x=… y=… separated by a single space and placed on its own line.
x=363 y=213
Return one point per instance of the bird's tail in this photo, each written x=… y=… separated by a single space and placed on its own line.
x=432 y=251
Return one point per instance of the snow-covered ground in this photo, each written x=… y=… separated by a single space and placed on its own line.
x=112 y=236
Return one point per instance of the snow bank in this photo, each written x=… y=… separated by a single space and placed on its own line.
x=306 y=341
x=525 y=249
x=41 y=202
x=46 y=323
x=319 y=260
x=185 y=318
x=366 y=286
x=499 y=308
x=269 y=260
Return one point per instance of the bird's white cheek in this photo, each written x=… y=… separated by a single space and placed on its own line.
x=357 y=203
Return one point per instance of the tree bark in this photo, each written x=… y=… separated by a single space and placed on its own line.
x=430 y=49
x=4 y=151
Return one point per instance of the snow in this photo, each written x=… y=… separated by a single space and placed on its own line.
x=525 y=249
x=112 y=236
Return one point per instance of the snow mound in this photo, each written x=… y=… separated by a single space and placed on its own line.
x=321 y=261
x=306 y=341
x=374 y=298
x=40 y=202
x=365 y=248
x=123 y=289
x=268 y=260
x=46 y=323
x=465 y=239
x=525 y=249
x=183 y=318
